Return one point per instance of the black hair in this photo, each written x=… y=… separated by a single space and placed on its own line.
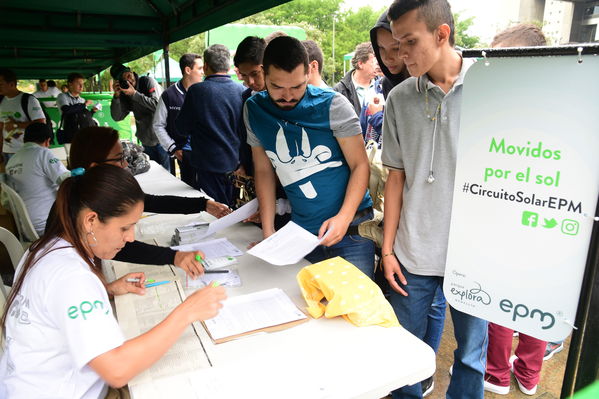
x=314 y=53
x=92 y=144
x=105 y=189
x=8 y=75
x=188 y=60
x=251 y=50
x=51 y=83
x=434 y=13
x=41 y=81
x=37 y=133
x=218 y=58
x=73 y=76
x=286 y=53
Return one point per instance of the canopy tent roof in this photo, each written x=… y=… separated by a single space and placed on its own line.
x=158 y=73
x=49 y=39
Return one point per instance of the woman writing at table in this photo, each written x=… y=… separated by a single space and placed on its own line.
x=101 y=145
x=62 y=340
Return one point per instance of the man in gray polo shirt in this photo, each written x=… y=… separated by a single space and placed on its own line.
x=420 y=134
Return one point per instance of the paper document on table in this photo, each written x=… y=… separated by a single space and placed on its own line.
x=212 y=248
x=268 y=310
x=138 y=314
x=287 y=246
x=240 y=214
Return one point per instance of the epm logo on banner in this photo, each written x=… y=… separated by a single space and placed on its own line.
x=521 y=311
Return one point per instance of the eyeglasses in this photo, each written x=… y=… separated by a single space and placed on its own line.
x=120 y=159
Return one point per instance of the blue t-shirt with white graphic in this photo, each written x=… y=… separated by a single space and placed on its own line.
x=301 y=143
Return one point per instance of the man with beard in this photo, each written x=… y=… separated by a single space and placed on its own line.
x=312 y=139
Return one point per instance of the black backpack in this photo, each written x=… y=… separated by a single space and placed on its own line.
x=72 y=123
x=24 y=105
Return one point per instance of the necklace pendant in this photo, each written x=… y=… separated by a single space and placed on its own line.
x=430 y=179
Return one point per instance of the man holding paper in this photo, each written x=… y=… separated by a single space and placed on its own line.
x=312 y=139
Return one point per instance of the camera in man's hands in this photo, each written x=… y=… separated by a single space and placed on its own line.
x=123 y=83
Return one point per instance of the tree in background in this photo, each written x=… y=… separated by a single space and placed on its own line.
x=316 y=18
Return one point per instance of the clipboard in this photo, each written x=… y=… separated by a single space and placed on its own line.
x=236 y=320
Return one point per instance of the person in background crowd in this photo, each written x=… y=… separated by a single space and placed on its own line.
x=311 y=139
x=177 y=145
x=52 y=89
x=35 y=174
x=418 y=196
x=43 y=91
x=140 y=96
x=248 y=61
x=358 y=84
x=101 y=145
x=210 y=115
x=61 y=337
x=527 y=361
x=316 y=60
x=64 y=88
x=13 y=118
x=71 y=102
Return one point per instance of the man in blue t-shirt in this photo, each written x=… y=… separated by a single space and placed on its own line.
x=312 y=139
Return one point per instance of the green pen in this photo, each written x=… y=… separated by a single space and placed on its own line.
x=201 y=260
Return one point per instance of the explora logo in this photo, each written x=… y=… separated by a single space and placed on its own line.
x=85 y=308
x=521 y=310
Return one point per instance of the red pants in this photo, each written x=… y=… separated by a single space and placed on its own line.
x=527 y=367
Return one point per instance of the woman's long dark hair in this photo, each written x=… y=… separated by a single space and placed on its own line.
x=108 y=190
x=92 y=144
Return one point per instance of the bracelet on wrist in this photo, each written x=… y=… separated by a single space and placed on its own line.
x=388 y=254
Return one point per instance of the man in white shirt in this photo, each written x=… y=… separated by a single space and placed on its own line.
x=43 y=91
x=35 y=173
x=13 y=118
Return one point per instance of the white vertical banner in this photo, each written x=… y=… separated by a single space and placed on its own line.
x=526 y=188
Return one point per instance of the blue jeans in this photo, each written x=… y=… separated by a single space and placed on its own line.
x=436 y=320
x=355 y=249
x=470 y=357
x=158 y=154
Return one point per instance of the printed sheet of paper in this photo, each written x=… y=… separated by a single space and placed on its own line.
x=212 y=248
x=251 y=312
x=287 y=246
x=240 y=214
x=139 y=313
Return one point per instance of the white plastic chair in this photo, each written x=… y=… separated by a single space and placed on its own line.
x=15 y=252
x=17 y=207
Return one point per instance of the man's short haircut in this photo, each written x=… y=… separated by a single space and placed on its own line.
x=361 y=54
x=8 y=75
x=286 y=53
x=250 y=50
x=434 y=13
x=73 y=76
x=218 y=58
x=278 y=33
x=37 y=133
x=314 y=53
x=521 y=35
x=51 y=83
x=188 y=60
x=41 y=81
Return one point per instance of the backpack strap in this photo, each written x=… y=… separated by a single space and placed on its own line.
x=25 y=104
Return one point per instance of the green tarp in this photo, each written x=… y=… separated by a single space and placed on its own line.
x=50 y=39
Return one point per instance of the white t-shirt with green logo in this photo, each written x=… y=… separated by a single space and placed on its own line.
x=60 y=321
x=35 y=173
x=11 y=108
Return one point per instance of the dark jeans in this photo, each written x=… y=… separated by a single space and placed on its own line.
x=216 y=185
x=188 y=173
x=158 y=154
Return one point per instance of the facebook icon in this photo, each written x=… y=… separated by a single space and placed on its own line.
x=530 y=219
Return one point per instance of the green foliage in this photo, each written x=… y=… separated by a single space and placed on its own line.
x=463 y=39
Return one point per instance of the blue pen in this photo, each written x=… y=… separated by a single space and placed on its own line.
x=157 y=283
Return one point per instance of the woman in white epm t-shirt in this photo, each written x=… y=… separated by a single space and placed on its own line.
x=61 y=338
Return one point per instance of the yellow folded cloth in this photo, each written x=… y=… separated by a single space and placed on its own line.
x=349 y=292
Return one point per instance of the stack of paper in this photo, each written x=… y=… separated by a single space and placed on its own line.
x=268 y=310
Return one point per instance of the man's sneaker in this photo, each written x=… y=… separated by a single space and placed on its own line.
x=428 y=386
x=552 y=349
x=498 y=389
x=524 y=390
